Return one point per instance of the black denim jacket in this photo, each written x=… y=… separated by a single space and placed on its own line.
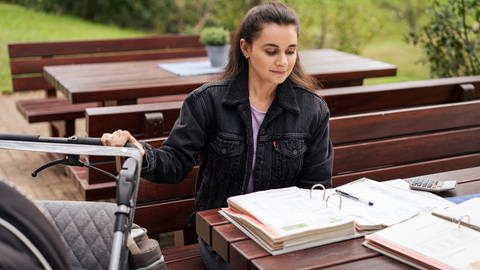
x=214 y=126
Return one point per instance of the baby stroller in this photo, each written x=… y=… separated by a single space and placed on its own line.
x=72 y=234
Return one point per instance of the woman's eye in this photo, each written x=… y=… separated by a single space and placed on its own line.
x=274 y=52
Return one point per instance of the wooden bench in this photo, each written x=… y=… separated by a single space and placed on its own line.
x=405 y=142
x=380 y=145
x=28 y=59
x=383 y=144
x=356 y=99
x=156 y=120
x=446 y=129
x=341 y=101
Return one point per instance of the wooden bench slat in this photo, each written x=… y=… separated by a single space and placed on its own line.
x=130 y=116
x=40 y=103
x=357 y=99
x=165 y=216
x=222 y=235
x=183 y=257
x=192 y=264
x=36 y=66
x=208 y=218
x=91 y=192
x=149 y=191
x=405 y=150
x=410 y=170
x=36 y=82
x=242 y=252
x=98 y=46
x=369 y=126
x=181 y=253
x=162 y=99
x=52 y=109
x=426 y=85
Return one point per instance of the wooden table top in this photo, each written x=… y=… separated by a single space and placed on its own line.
x=132 y=80
x=243 y=253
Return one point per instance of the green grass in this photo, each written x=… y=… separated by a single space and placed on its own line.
x=18 y=24
x=386 y=29
x=404 y=56
x=389 y=45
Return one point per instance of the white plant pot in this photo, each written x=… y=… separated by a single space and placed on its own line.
x=218 y=55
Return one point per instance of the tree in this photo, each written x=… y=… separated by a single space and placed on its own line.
x=451 y=38
x=406 y=10
x=353 y=27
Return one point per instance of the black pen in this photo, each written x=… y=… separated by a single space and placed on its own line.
x=345 y=194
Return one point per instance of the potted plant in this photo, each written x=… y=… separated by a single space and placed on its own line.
x=217 y=43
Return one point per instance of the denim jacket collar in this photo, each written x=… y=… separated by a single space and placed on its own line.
x=237 y=93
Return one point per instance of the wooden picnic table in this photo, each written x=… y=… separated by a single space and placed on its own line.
x=125 y=82
x=243 y=253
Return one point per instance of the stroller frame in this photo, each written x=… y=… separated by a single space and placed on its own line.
x=127 y=178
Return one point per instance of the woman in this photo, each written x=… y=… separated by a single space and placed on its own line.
x=259 y=128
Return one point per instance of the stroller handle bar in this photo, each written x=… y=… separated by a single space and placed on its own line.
x=71 y=139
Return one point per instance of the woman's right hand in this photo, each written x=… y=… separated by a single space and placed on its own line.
x=120 y=138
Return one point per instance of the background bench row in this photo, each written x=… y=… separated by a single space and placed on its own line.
x=28 y=59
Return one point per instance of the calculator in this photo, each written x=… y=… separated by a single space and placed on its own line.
x=432 y=185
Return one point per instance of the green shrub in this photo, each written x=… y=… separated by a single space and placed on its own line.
x=215 y=36
x=451 y=39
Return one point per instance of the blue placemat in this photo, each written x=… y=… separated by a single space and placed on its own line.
x=459 y=199
x=191 y=68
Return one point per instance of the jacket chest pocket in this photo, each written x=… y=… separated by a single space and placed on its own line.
x=287 y=160
x=222 y=169
x=225 y=158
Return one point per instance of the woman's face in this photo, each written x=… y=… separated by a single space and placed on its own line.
x=272 y=54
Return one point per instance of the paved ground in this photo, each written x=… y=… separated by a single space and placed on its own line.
x=16 y=166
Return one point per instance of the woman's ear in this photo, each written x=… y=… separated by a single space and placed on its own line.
x=244 y=47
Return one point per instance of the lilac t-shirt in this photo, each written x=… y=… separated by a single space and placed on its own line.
x=257 y=119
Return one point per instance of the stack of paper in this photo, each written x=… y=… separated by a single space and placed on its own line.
x=288 y=219
x=429 y=242
x=284 y=220
x=393 y=202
